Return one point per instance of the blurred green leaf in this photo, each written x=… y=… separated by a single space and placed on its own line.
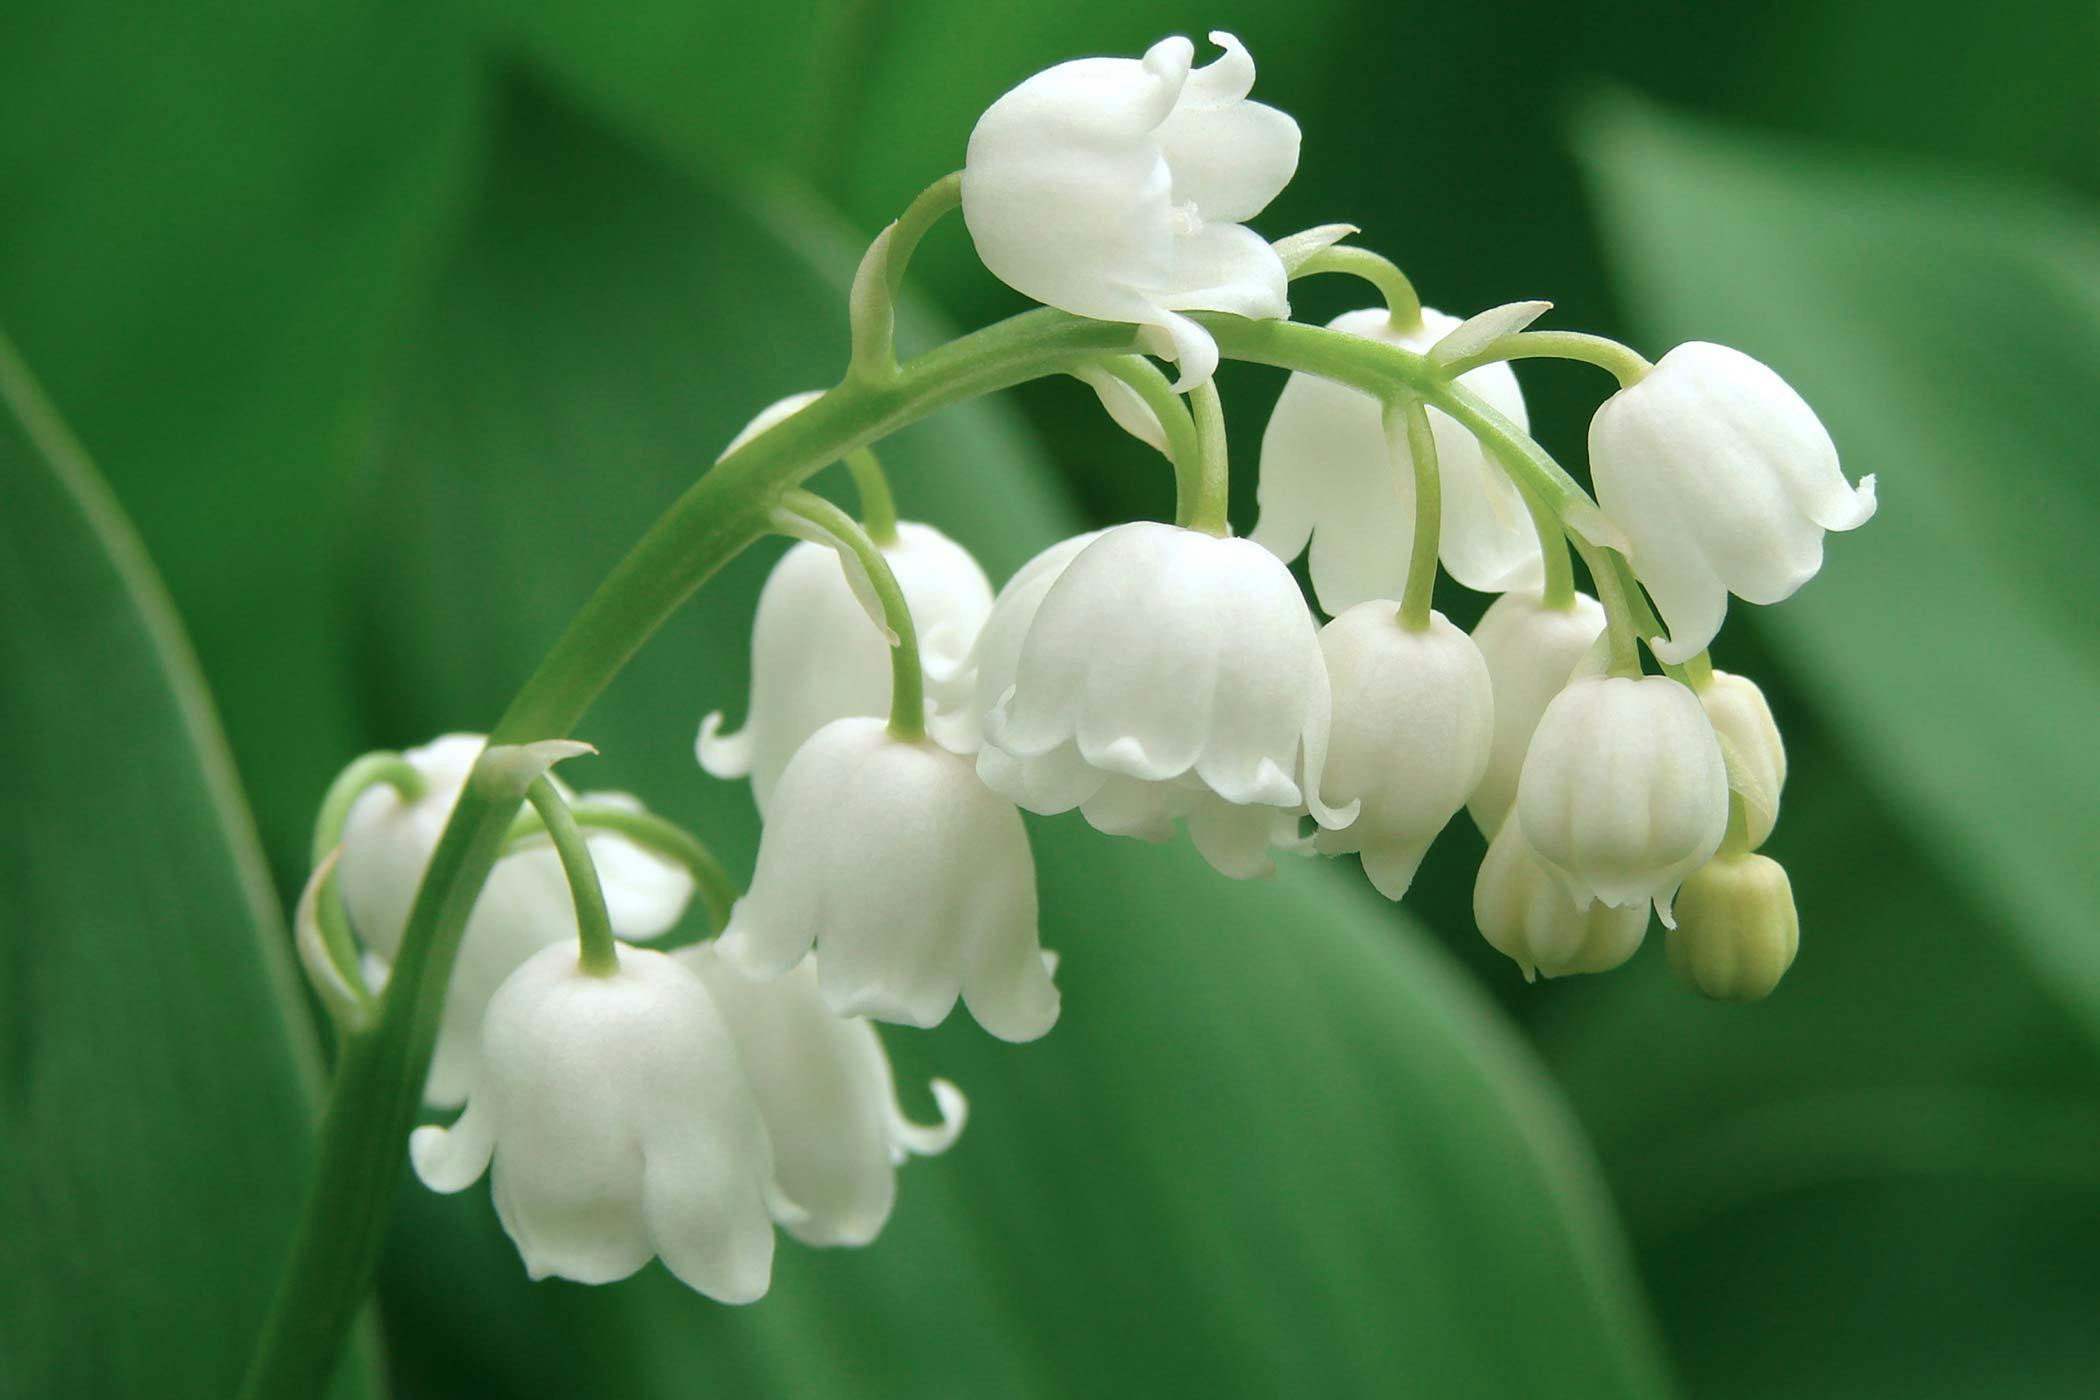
x=1948 y=331
x=1276 y=1143
x=157 y=1076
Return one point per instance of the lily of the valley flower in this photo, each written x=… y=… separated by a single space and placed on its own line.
x=1168 y=673
x=525 y=905
x=825 y=1089
x=1724 y=481
x=816 y=656
x=1750 y=740
x=1119 y=188
x=1624 y=792
x=617 y=1124
x=1531 y=650
x=1413 y=718
x=1525 y=912
x=1330 y=476
x=1737 y=928
x=912 y=879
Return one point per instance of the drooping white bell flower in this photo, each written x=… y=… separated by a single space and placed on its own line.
x=1330 y=477
x=620 y=1125
x=817 y=656
x=1168 y=673
x=1737 y=928
x=1525 y=912
x=1414 y=714
x=1624 y=791
x=526 y=905
x=825 y=1089
x=912 y=879
x=1118 y=188
x=1531 y=651
x=1750 y=740
x=1723 y=480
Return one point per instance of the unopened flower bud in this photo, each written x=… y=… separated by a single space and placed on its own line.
x=1723 y=481
x=1413 y=715
x=1525 y=912
x=1118 y=188
x=1750 y=741
x=1531 y=650
x=1737 y=929
x=1624 y=792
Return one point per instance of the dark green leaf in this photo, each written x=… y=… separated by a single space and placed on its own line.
x=157 y=1075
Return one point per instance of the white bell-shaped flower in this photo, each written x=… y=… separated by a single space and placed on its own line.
x=1329 y=476
x=829 y=1100
x=1414 y=714
x=1118 y=188
x=817 y=656
x=1531 y=651
x=1723 y=481
x=911 y=878
x=1750 y=741
x=1167 y=673
x=620 y=1125
x=1525 y=912
x=1624 y=791
x=525 y=905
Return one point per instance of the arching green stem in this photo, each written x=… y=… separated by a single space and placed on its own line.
x=1176 y=426
x=1402 y=303
x=717 y=891
x=1559 y=590
x=1619 y=629
x=1406 y=420
x=1206 y=510
x=1622 y=362
x=352 y=783
x=598 y=955
x=878 y=507
x=907 y=684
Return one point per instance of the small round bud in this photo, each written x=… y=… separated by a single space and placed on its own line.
x=1737 y=930
x=1750 y=741
x=1527 y=914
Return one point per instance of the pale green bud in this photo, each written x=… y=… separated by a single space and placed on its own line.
x=1737 y=930
x=1751 y=744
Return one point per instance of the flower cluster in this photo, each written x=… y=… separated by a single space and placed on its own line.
x=631 y=1102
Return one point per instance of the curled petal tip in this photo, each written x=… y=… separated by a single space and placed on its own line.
x=725 y=756
x=930 y=1140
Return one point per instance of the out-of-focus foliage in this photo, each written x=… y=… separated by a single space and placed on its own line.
x=159 y=1071
x=275 y=261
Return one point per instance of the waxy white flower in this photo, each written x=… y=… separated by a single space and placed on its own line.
x=1167 y=673
x=1525 y=912
x=1413 y=717
x=1531 y=651
x=1737 y=928
x=1330 y=476
x=1624 y=792
x=620 y=1126
x=1723 y=481
x=1118 y=188
x=825 y=1089
x=817 y=656
x=525 y=905
x=1750 y=741
x=912 y=879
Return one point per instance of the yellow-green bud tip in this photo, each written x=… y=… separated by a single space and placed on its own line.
x=1737 y=930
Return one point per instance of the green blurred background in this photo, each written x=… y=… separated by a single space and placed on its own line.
x=390 y=325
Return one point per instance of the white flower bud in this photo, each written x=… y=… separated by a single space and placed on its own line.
x=1531 y=651
x=817 y=656
x=1624 y=792
x=1118 y=188
x=1413 y=716
x=911 y=878
x=1164 y=668
x=1737 y=928
x=525 y=905
x=1330 y=476
x=620 y=1126
x=1525 y=913
x=1723 y=481
x=1751 y=743
x=824 y=1087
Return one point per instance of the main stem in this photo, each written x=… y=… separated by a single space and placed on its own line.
x=380 y=1071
